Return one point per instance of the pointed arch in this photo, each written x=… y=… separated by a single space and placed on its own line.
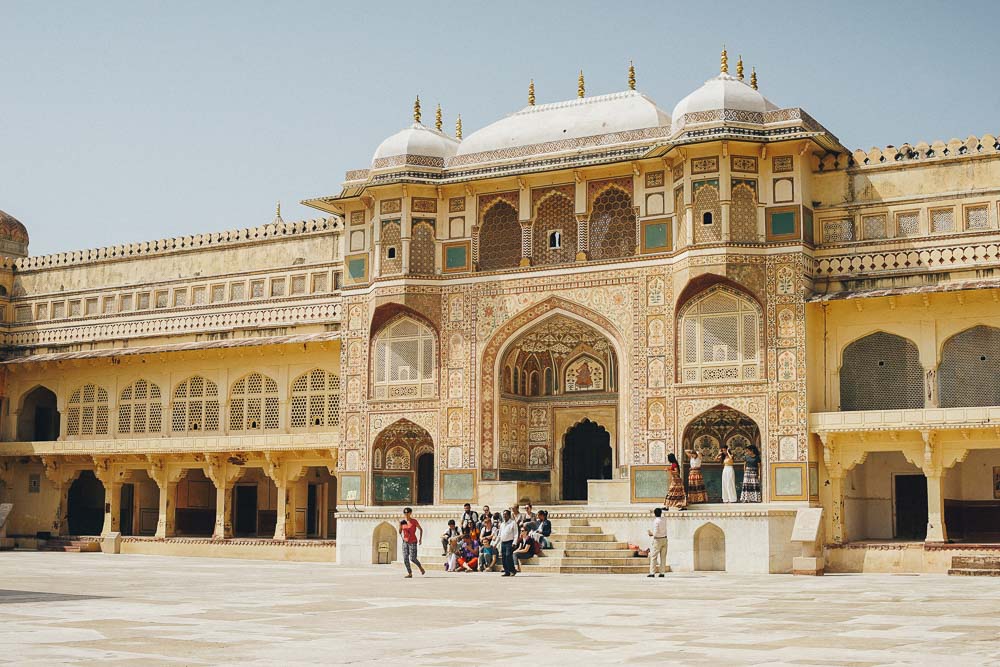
x=397 y=448
x=612 y=224
x=709 y=548
x=253 y=403
x=881 y=371
x=140 y=408
x=496 y=349
x=555 y=213
x=87 y=411
x=499 y=237
x=422 y=248
x=194 y=406
x=403 y=359
x=743 y=214
x=314 y=400
x=969 y=369
x=720 y=334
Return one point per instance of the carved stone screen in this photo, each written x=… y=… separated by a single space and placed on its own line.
x=881 y=372
x=969 y=374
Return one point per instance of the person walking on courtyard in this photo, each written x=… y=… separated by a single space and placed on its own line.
x=658 y=543
x=728 y=476
x=696 y=483
x=507 y=535
x=413 y=535
x=750 y=493
x=676 y=497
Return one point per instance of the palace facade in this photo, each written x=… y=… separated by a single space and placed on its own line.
x=542 y=310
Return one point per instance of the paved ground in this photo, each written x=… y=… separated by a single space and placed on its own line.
x=89 y=608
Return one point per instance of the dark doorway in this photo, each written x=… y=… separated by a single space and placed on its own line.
x=911 y=507
x=127 y=509
x=246 y=510
x=586 y=455
x=39 y=419
x=85 y=505
x=425 y=479
x=312 y=511
x=331 y=509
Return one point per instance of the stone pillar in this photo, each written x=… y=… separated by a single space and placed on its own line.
x=582 y=237
x=223 y=475
x=166 y=479
x=837 y=505
x=281 y=524
x=936 y=530
x=107 y=472
x=527 y=229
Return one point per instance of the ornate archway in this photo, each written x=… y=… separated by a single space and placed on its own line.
x=722 y=425
x=549 y=367
x=398 y=478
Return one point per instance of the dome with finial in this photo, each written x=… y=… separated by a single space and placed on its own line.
x=416 y=145
x=13 y=236
x=722 y=98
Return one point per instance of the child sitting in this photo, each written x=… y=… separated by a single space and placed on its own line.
x=487 y=556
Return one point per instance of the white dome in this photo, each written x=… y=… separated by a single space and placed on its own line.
x=416 y=140
x=584 y=117
x=723 y=92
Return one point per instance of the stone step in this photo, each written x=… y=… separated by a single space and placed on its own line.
x=579 y=545
x=581 y=530
x=622 y=560
x=569 y=522
x=581 y=537
x=642 y=568
x=973 y=572
x=976 y=562
x=598 y=553
x=61 y=548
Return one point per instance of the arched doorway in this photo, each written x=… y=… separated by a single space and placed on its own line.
x=85 y=505
x=586 y=455
x=39 y=418
x=707 y=433
x=710 y=549
x=403 y=465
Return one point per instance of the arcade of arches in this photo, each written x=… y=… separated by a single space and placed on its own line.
x=708 y=433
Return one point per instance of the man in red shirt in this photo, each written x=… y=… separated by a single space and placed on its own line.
x=413 y=535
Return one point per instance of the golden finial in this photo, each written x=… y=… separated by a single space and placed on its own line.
x=458 y=127
x=631 y=76
x=531 y=93
x=739 y=68
x=277 y=214
x=437 y=118
x=579 y=85
x=416 y=110
x=753 y=78
x=724 y=62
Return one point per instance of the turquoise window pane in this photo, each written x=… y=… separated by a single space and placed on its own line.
x=782 y=223
x=656 y=236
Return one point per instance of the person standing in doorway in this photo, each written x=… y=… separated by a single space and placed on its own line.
x=413 y=535
x=750 y=492
x=676 y=497
x=507 y=535
x=728 y=476
x=696 y=483
x=658 y=543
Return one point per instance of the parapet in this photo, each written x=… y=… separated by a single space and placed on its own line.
x=181 y=244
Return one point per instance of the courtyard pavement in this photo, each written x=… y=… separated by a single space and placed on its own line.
x=96 y=608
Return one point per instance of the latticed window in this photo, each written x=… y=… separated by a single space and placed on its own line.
x=969 y=374
x=977 y=217
x=743 y=214
x=253 y=404
x=195 y=406
x=881 y=371
x=838 y=231
x=943 y=220
x=707 y=228
x=87 y=413
x=422 y=248
x=403 y=361
x=499 y=238
x=720 y=338
x=140 y=408
x=391 y=240
x=554 y=236
x=315 y=399
x=908 y=223
x=873 y=226
x=612 y=225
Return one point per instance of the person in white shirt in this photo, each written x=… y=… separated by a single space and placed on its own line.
x=507 y=533
x=658 y=546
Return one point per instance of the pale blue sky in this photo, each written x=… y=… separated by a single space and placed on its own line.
x=123 y=121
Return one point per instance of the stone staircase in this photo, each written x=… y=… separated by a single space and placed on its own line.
x=577 y=548
x=975 y=566
x=71 y=544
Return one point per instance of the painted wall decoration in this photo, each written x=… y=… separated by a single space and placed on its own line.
x=585 y=374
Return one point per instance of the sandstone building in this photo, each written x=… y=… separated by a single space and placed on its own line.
x=543 y=309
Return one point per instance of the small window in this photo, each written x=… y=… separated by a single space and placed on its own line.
x=706 y=218
x=555 y=240
x=390 y=252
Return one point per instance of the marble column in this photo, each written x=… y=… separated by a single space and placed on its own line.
x=936 y=529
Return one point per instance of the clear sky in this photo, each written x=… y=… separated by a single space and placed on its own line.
x=124 y=121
